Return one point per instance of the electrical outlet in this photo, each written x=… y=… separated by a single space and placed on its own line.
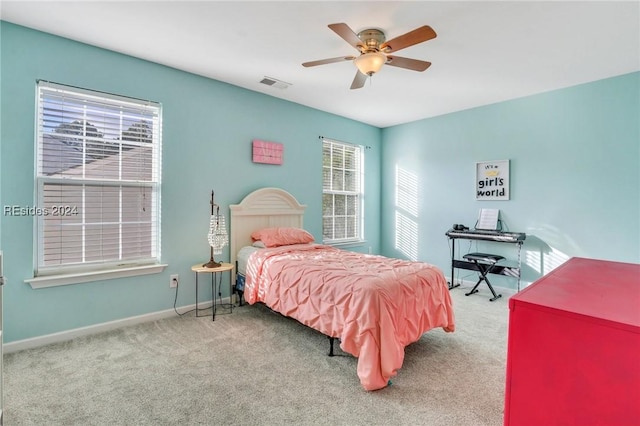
x=173 y=281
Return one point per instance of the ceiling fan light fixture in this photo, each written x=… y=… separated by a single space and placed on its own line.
x=370 y=63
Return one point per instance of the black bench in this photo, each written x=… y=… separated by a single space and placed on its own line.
x=485 y=263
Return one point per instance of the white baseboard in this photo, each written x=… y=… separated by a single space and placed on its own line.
x=63 y=336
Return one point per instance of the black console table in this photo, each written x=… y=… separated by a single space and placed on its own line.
x=495 y=236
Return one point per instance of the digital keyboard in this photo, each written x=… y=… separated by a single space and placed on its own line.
x=478 y=234
x=516 y=238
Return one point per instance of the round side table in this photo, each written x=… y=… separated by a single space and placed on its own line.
x=224 y=267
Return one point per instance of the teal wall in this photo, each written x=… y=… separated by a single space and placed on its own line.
x=208 y=127
x=575 y=175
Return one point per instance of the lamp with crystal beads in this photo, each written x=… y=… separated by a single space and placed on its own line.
x=217 y=235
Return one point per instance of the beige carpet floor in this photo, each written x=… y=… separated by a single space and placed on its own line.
x=254 y=367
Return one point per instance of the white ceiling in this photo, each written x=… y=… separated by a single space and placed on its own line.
x=485 y=52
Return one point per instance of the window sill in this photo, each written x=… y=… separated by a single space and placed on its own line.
x=347 y=244
x=85 y=277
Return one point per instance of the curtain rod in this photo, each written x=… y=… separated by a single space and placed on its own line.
x=348 y=143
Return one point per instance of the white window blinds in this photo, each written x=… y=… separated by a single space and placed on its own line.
x=342 y=169
x=98 y=180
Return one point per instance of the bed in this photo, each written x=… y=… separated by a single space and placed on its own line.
x=375 y=306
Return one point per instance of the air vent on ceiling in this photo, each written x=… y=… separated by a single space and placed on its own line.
x=278 y=84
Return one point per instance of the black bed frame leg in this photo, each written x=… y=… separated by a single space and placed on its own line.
x=331 y=339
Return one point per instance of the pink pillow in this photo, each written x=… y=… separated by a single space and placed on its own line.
x=274 y=237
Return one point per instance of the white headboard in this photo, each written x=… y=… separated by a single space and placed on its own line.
x=263 y=208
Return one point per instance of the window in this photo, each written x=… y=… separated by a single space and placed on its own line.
x=342 y=172
x=97 y=181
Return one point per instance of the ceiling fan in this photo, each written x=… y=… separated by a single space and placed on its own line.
x=375 y=51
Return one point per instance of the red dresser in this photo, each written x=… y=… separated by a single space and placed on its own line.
x=574 y=347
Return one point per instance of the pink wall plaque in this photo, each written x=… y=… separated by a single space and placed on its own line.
x=267 y=152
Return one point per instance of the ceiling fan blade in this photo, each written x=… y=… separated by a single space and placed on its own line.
x=416 y=36
x=328 y=61
x=408 y=63
x=347 y=34
x=359 y=80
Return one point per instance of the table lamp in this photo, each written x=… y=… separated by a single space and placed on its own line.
x=217 y=235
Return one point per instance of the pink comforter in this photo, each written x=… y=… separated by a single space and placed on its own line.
x=375 y=305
